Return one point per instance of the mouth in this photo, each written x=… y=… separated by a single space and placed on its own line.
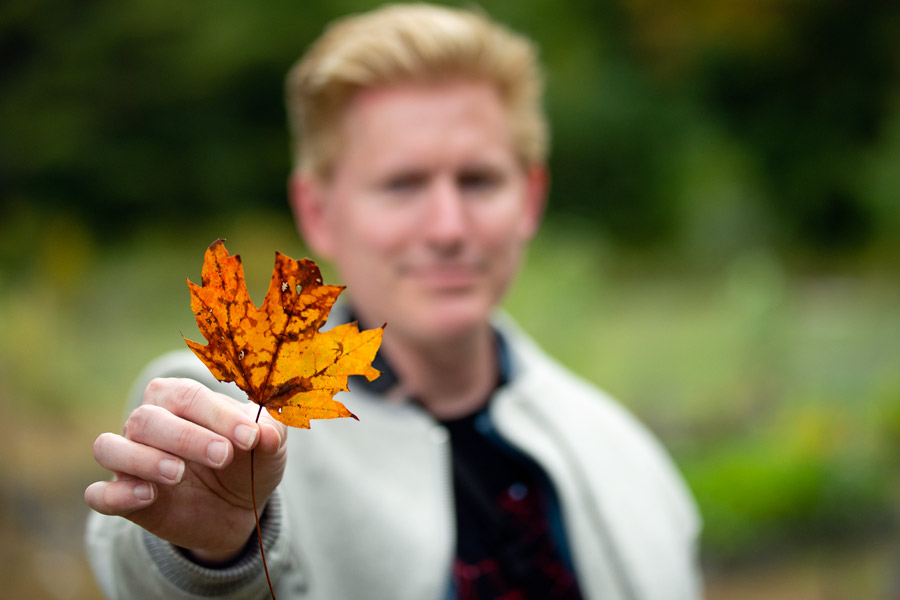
x=445 y=276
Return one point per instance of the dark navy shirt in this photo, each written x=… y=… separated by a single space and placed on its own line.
x=510 y=543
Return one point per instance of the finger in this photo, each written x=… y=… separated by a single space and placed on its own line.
x=273 y=434
x=272 y=438
x=121 y=455
x=120 y=497
x=157 y=427
x=195 y=402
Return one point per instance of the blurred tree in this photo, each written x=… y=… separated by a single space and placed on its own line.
x=811 y=106
x=147 y=112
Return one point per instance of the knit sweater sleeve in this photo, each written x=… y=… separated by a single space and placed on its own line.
x=129 y=562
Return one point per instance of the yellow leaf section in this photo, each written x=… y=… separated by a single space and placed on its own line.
x=276 y=353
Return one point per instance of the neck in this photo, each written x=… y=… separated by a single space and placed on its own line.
x=450 y=379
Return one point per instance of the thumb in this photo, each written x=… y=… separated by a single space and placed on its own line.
x=273 y=435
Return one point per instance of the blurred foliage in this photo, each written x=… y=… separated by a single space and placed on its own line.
x=778 y=393
x=699 y=126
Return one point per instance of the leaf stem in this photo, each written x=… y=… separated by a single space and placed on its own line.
x=262 y=552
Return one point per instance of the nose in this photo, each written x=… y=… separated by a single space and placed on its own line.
x=446 y=221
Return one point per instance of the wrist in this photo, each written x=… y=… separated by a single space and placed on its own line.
x=217 y=559
x=226 y=555
x=179 y=567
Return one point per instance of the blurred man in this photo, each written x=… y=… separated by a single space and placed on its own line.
x=479 y=468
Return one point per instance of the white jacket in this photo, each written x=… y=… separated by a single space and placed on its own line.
x=365 y=509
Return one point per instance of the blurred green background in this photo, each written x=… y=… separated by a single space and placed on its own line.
x=721 y=251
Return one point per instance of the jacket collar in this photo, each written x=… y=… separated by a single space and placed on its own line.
x=389 y=378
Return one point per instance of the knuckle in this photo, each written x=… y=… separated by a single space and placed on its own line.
x=136 y=423
x=185 y=440
x=128 y=427
x=186 y=395
x=154 y=388
x=174 y=393
x=100 y=444
x=160 y=389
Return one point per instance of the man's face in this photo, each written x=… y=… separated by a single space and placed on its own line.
x=428 y=209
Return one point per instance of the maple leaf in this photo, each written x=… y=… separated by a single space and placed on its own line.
x=276 y=353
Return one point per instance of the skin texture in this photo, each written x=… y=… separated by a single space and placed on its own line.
x=426 y=218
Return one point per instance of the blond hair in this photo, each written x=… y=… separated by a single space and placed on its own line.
x=410 y=43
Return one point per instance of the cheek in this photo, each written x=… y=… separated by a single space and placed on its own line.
x=504 y=229
x=380 y=235
x=504 y=239
x=367 y=239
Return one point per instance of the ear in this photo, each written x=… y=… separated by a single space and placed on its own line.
x=308 y=200
x=537 y=182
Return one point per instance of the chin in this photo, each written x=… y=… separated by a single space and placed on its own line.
x=452 y=319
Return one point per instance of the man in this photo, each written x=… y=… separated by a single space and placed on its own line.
x=479 y=468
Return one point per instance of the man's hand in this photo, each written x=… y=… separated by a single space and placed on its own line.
x=182 y=467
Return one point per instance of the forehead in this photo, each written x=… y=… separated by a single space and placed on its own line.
x=425 y=119
x=425 y=95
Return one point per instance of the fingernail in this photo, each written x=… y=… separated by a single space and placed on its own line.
x=143 y=491
x=217 y=453
x=171 y=469
x=245 y=435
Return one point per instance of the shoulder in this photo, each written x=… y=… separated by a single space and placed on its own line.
x=568 y=397
x=603 y=433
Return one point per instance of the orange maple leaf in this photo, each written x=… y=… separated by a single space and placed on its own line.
x=276 y=353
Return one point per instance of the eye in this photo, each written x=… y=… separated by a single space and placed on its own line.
x=404 y=183
x=479 y=180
